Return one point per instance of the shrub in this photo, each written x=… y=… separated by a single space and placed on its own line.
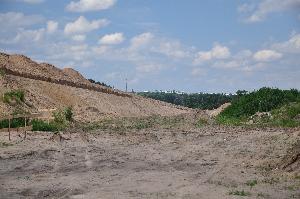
x=69 y=114
x=17 y=95
x=40 y=125
x=202 y=122
x=14 y=123
x=60 y=122
x=239 y=193
x=2 y=73
x=263 y=100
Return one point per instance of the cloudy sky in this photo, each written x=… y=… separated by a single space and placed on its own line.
x=187 y=45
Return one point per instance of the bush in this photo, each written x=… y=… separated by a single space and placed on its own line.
x=40 y=125
x=60 y=122
x=263 y=100
x=14 y=123
x=2 y=73
x=17 y=95
x=69 y=114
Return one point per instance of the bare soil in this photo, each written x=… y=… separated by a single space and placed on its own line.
x=207 y=162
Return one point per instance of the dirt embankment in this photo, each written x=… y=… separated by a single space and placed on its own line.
x=48 y=87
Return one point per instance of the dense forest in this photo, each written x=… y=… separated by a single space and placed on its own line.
x=194 y=100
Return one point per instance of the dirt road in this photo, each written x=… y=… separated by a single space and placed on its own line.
x=209 y=162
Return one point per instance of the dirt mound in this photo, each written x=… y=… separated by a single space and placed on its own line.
x=291 y=162
x=70 y=72
x=217 y=111
x=47 y=87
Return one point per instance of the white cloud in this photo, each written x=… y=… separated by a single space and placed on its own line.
x=217 y=52
x=28 y=36
x=52 y=26
x=259 y=12
x=79 y=38
x=111 y=39
x=141 y=40
x=290 y=46
x=171 y=49
x=148 y=68
x=198 y=72
x=230 y=64
x=17 y=20
x=90 y=5
x=266 y=55
x=82 y=25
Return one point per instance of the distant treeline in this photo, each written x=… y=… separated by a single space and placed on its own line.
x=194 y=100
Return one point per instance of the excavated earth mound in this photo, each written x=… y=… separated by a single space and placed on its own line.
x=48 y=87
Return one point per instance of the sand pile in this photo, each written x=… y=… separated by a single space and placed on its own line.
x=48 y=87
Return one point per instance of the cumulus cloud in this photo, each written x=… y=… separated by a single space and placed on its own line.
x=171 y=49
x=141 y=40
x=257 y=13
x=82 y=25
x=290 y=46
x=90 y=5
x=217 y=52
x=52 y=26
x=11 y=20
x=266 y=55
x=112 y=39
x=79 y=38
x=28 y=36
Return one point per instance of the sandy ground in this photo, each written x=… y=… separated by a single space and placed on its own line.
x=209 y=162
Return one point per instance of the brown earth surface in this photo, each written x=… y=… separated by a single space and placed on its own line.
x=49 y=87
x=208 y=162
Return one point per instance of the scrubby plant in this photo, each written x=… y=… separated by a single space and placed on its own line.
x=239 y=193
x=17 y=95
x=40 y=125
x=251 y=183
x=263 y=100
x=14 y=123
x=60 y=122
x=69 y=114
x=2 y=72
x=202 y=122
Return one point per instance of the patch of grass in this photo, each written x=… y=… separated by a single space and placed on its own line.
x=239 y=193
x=271 y=180
x=251 y=183
x=5 y=144
x=16 y=95
x=202 y=122
x=297 y=177
x=262 y=195
x=121 y=124
x=229 y=121
x=291 y=188
x=2 y=73
x=40 y=125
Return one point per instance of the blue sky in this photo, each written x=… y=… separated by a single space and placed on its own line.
x=190 y=45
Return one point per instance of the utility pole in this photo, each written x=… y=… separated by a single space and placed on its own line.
x=126 y=84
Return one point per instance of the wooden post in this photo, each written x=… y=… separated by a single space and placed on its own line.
x=9 y=129
x=25 y=133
